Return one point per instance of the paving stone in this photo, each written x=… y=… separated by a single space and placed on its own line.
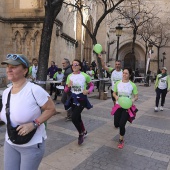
x=89 y=123
x=121 y=160
x=56 y=141
x=153 y=141
x=156 y=122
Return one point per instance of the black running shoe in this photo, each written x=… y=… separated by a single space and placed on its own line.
x=81 y=139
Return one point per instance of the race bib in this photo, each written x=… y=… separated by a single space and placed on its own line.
x=77 y=89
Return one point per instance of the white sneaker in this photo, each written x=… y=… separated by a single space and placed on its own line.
x=156 y=109
x=161 y=108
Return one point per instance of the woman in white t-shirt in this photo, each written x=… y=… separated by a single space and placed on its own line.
x=125 y=88
x=77 y=82
x=25 y=105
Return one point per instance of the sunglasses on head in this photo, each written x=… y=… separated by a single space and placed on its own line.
x=15 y=57
x=75 y=64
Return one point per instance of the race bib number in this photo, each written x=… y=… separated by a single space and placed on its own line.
x=163 y=81
x=77 y=89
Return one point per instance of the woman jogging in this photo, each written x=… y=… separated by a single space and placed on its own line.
x=78 y=82
x=125 y=88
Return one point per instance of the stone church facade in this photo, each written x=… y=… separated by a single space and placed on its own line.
x=21 y=24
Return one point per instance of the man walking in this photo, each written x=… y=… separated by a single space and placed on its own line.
x=51 y=71
x=116 y=74
x=65 y=96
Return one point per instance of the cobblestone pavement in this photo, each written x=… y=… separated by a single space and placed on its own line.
x=147 y=140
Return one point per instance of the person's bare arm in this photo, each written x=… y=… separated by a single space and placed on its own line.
x=103 y=63
x=135 y=98
x=115 y=95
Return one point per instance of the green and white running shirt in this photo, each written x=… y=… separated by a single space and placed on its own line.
x=125 y=89
x=80 y=82
x=115 y=76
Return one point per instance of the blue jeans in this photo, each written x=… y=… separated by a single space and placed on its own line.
x=23 y=158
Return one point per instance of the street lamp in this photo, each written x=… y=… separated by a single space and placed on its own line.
x=118 y=34
x=148 y=72
x=164 y=58
x=150 y=52
x=150 y=47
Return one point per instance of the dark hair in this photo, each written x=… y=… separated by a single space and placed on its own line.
x=130 y=73
x=118 y=61
x=67 y=60
x=53 y=62
x=34 y=59
x=59 y=69
x=80 y=64
x=24 y=66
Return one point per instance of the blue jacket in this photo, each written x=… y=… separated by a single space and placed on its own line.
x=75 y=101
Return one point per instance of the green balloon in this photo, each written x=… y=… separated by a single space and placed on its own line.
x=125 y=102
x=97 y=48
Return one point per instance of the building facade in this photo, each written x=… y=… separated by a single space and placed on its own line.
x=21 y=23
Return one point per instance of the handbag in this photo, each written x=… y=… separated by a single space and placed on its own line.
x=12 y=132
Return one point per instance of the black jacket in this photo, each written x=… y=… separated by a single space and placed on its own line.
x=68 y=70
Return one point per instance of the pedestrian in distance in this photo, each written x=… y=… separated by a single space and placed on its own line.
x=51 y=71
x=77 y=83
x=162 y=86
x=67 y=70
x=125 y=88
x=91 y=73
x=26 y=106
x=33 y=70
x=58 y=76
x=116 y=74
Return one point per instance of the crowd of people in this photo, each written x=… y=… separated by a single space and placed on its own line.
x=27 y=134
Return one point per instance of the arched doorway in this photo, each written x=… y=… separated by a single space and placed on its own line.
x=129 y=61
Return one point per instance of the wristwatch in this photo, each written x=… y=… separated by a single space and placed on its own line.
x=35 y=124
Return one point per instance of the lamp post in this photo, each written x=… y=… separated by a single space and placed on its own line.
x=164 y=58
x=150 y=52
x=118 y=34
x=148 y=64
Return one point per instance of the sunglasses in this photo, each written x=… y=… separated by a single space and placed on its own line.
x=75 y=64
x=15 y=57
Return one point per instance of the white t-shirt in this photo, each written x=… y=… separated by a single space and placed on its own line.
x=60 y=77
x=34 y=71
x=80 y=82
x=91 y=74
x=125 y=89
x=162 y=82
x=25 y=108
x=116 y=76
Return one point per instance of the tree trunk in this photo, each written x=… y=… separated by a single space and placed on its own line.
x=158 y=48
x=101 y=76
x=146 y=53
x=52 y=8
x=133 y=49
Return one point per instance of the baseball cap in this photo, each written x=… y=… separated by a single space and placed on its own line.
x=16 y=59
x=164 y=68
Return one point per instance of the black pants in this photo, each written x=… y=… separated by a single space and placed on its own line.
x=64 y=97
x=120 y=118
x=76 y=115
x=162 y=93
x=51 y=88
